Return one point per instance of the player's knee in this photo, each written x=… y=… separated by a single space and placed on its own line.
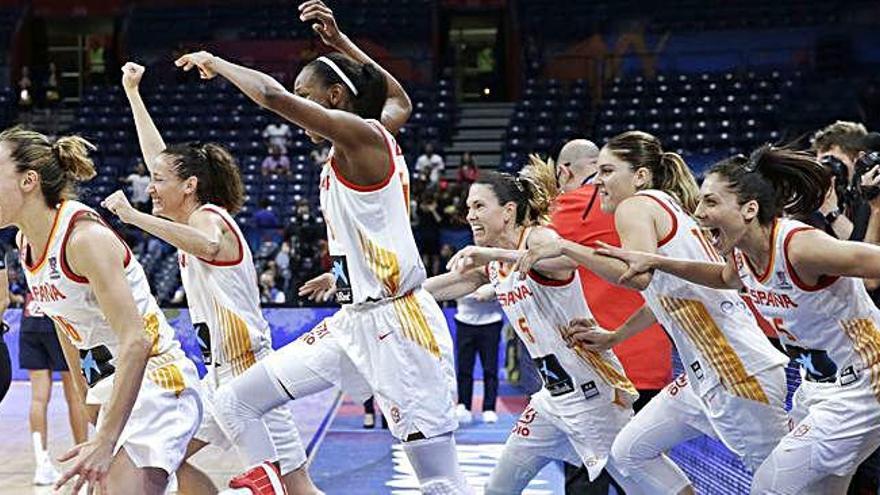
x=233 y=411
x=625 y=452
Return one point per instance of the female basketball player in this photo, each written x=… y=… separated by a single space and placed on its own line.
x=197 y=188
x=734 y=382
x=85 y=278
x=808 y=285
x=390 y=339
x=586 y=398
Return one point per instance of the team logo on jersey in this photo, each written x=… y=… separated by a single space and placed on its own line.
x=203 y=337
x=590 y=390
x=53 y=268
x=339 y=269
x=556 y=380
x=782 y=280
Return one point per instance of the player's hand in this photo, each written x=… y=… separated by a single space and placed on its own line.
x=586 y=333
x=871 y=179
x=469 y=257
x=637 y=262
x=325 y=23
x=203 y=60
x=485 y=293
x=320 y=288
x=536 y=252
x=91 y=462
x=131 y=76
x=118 y=204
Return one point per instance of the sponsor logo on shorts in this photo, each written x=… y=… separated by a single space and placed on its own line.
x=678 y=384
x=801 y=430
x=521 y=427
x=381 y=337
x=317 y=333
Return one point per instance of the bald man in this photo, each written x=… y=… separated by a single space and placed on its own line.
x=576 y=164
x=578 y=217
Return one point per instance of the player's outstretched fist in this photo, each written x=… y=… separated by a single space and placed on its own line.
x=131 y=75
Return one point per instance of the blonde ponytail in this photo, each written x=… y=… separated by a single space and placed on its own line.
x=73 y=157
x=678 y=180
x=539 y=177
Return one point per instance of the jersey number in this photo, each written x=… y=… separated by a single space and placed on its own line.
x=67 y=328
x=525 y=330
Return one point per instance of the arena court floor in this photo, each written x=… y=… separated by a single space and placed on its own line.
x=348 y=460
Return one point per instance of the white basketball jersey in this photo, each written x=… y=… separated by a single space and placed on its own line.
x=224 y=297
x=830 y=329
x=68 y=299
x=537 y=308
x=716 y=335
x=374 y=255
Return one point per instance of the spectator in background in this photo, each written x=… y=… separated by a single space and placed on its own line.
x=17 y=288
x=278 y=135
x=53 y=91
x=429 y=232
x=467 y=171
x=264 y=217
x=477 y=330
x=429 y=165
x=25 y=90
x=138 y=182
x=277 y=162
x=96 y=60
x=269 y=294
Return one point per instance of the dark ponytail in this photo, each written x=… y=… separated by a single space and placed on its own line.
x=219 y=179
x=368 y=81
x=781 y=180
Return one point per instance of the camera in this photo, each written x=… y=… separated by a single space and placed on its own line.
x=865 y=163
x=841 y=179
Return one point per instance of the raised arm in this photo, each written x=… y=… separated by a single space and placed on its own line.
x=205 y=235
x=343 y=128
x=453 y=285
x=398 y=106
x=360 y=150
x=104 y=270
x=148 y=134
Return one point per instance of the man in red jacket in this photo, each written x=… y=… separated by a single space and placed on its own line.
x=647 y=357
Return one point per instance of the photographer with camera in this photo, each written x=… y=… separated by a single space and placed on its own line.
x=847 y=210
